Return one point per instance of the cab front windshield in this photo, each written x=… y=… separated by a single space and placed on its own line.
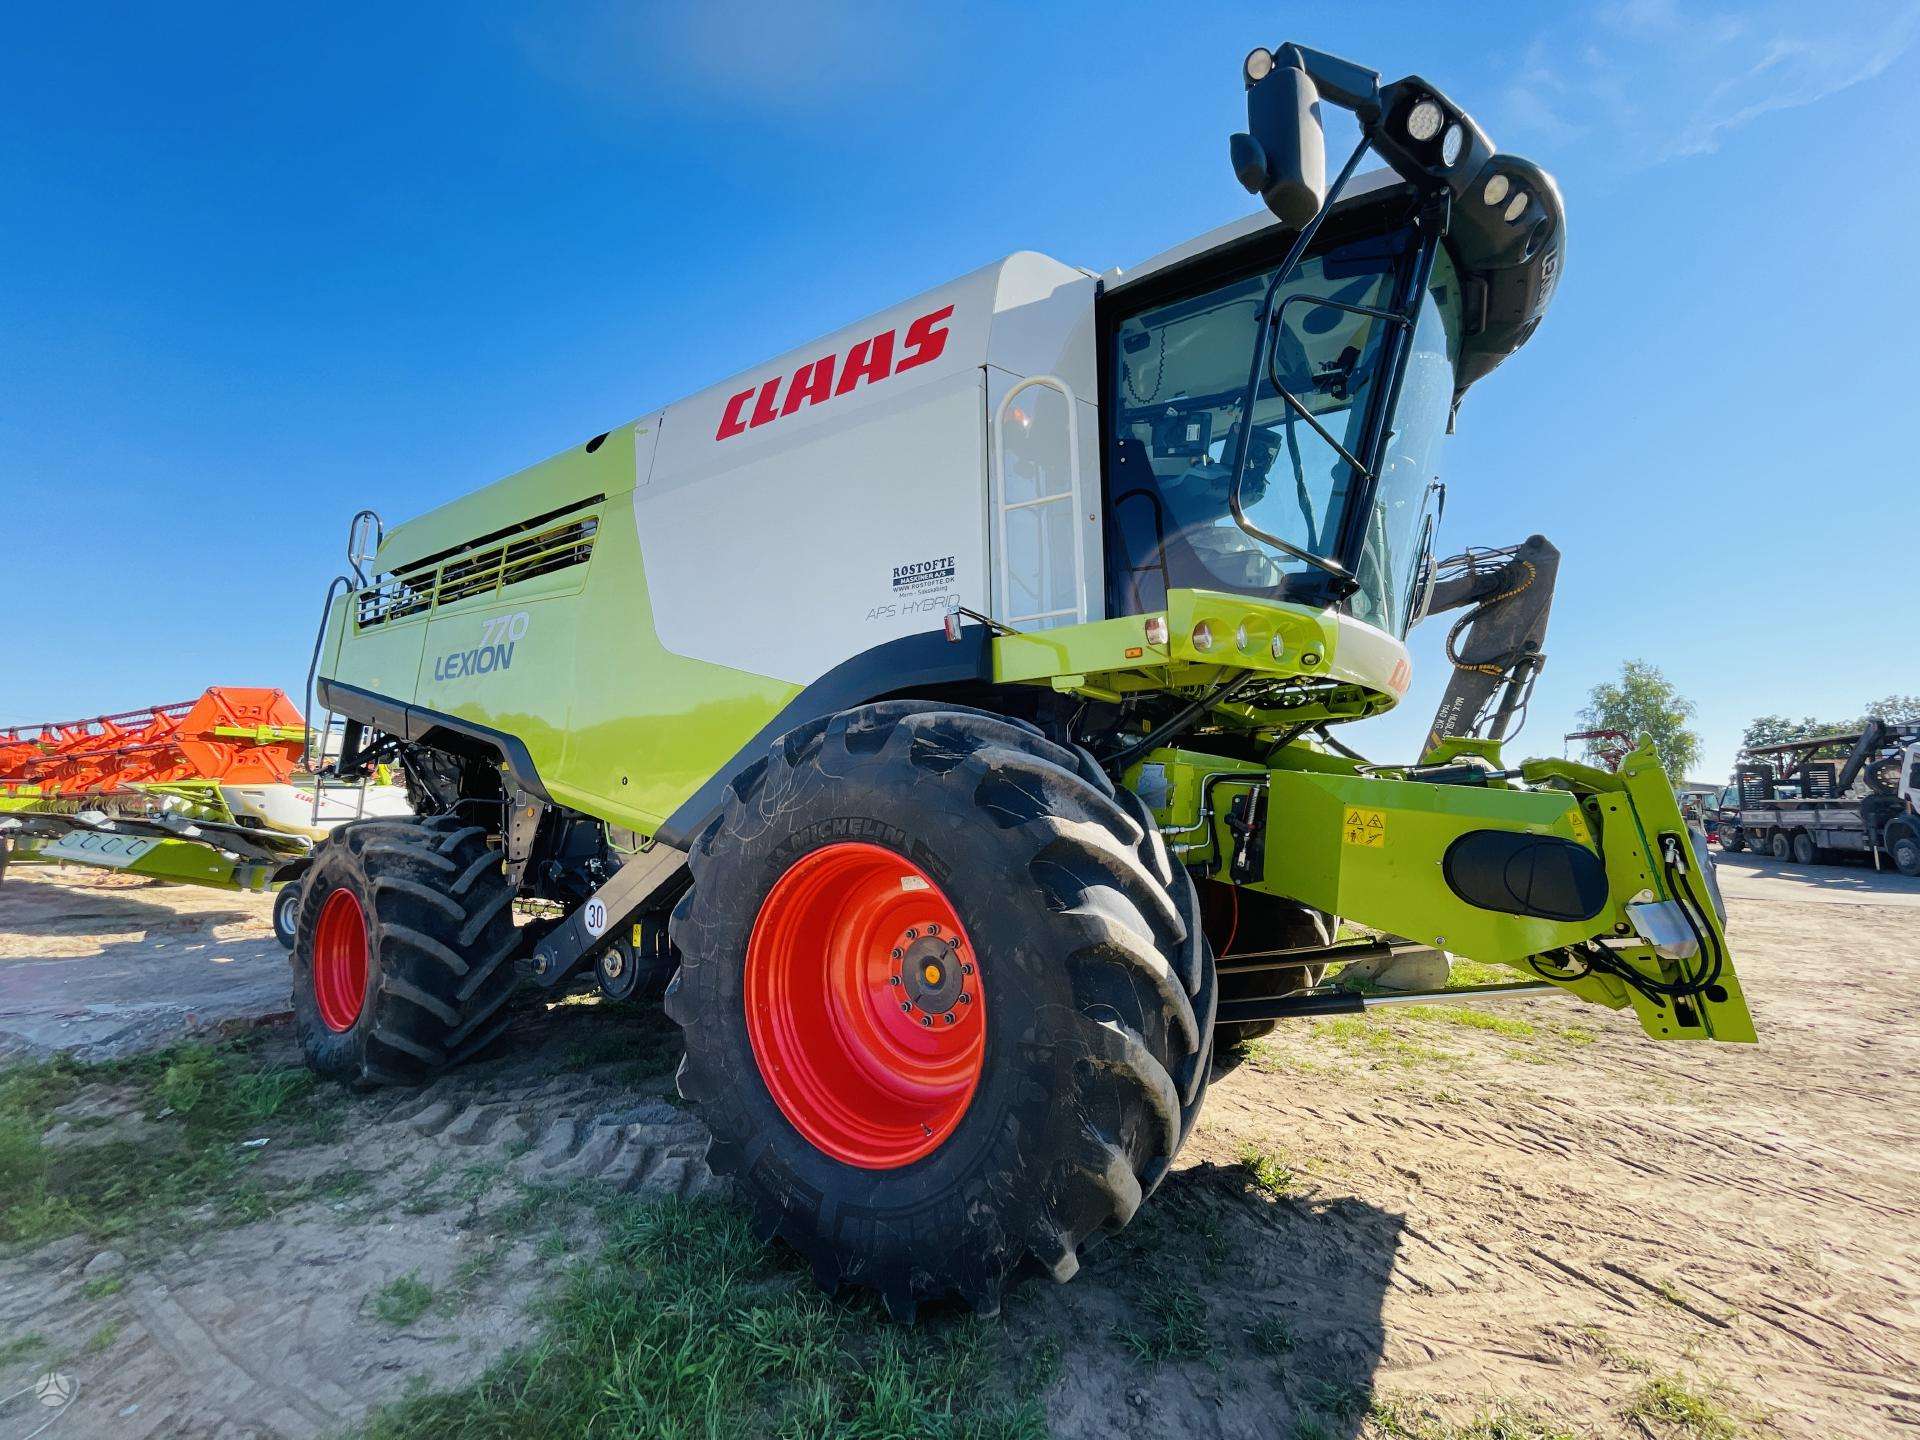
x=1178 y=379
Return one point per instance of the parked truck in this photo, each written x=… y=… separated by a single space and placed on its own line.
x=942 y=714
x=1788 y=801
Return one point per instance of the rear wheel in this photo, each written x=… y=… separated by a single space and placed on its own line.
x=286 y=913
x=1781 y=846
x=1805 y=852
x=947 y=1005
x=403 y=962
x=1905 y=850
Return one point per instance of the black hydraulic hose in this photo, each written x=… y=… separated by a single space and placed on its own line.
x=1180 y=723
x=1339 y=749
x=313 y=668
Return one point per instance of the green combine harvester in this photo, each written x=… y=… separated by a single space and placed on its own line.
x=943 y=715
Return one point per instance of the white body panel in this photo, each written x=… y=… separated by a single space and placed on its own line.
x=879 y=470
x=290 y=808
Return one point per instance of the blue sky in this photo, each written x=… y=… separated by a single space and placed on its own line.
x=258 y=270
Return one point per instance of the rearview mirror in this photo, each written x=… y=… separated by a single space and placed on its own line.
x=1284 y=158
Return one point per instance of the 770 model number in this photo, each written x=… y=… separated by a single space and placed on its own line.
x=494 y=652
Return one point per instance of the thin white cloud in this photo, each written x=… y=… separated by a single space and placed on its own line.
x=1664 y=80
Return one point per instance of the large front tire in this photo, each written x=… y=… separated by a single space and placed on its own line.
x=403 y=963
x=901 y=1150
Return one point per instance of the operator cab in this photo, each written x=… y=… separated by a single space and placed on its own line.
x=1274 y=430
x=1177 y=359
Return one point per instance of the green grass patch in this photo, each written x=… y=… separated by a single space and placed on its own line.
x=401 y=1302
x=684 y=1326
x=103 y=1286
x=1272 y=1334
x=1678 y=1408
x=1402 y=1420
x=1170 y=1320
x=21 y=1346
x=1462 y=973
x=1390 y=1039
x=1466 y=1018
x=199 y=1103
x=1265 y=1173
x=103 y=1338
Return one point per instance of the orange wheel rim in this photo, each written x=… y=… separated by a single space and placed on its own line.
x=340 y=960
x=865 y=1006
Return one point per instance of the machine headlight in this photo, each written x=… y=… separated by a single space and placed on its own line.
x=1496 y=190
x=1240 y=637
x=1517 y=206
x=1278 y=649
x=1203 y=636
x=1424 y=120
x=1450 y=147
x=1259 y=65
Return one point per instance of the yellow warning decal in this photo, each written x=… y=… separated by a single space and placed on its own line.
x=1577 y=823
x=1361 y=826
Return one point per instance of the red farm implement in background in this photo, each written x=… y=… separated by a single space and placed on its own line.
x=205 y=792
x=231 y=735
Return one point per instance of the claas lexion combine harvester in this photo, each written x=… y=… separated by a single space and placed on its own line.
x=203 y=792
x=941 y=715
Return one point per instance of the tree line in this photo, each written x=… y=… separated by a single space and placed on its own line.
x=1642 y=701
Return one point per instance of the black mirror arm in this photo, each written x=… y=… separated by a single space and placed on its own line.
x=1352 y=87
x=1252 y=393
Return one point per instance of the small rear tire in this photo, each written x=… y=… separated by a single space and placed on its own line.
x=1805 y=852
x=1905 y=849
x=404 y=960
x=286 y=914
x=1780 y=845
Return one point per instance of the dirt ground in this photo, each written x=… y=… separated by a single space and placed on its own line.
x=98 y=964
x=1537 y=1208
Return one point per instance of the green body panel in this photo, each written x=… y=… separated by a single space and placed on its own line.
x=1108 y=658
x=617 y=726
x=1368 y=847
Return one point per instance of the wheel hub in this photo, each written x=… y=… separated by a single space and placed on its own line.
x=932 y=975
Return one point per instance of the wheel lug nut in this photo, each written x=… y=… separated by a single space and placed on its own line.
x=912 y=934
x=965 y=998
x=966 y=969
x=893 y=980
x=926 y=1020
x=899 y=954
x=949 y=1017
x=907 y=1006
x=933 y=929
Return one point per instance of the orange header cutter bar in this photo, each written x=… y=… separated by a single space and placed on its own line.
x=232 y=734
